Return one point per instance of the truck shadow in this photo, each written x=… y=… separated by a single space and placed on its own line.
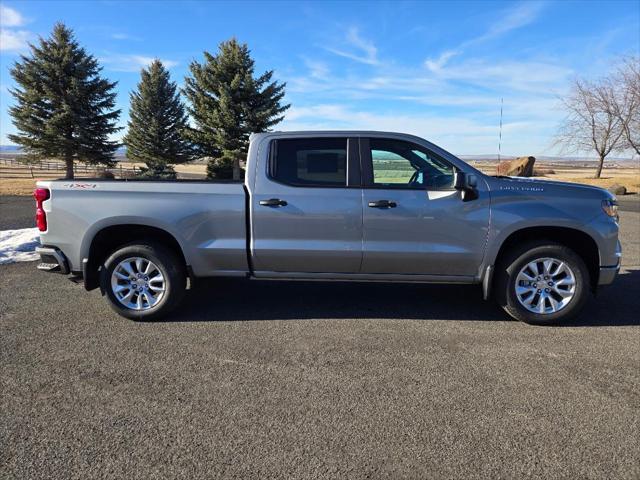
x=228 y=299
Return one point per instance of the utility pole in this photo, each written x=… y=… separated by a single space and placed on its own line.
x=500 y=137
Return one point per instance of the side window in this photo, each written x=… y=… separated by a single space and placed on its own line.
x=389 y=167
x=310 y=162
x=399 y=164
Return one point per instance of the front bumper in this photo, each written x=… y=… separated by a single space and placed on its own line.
x=608 y=274
x=52 y=260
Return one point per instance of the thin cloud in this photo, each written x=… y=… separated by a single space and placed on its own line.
x=124 y=36
x=14 y=40
x=319 y=70
x=517 y=17
x=528 y=76
x=357 y=48
x=455 y=133
x=132 y=63
x=477 y=76
x=457 y=108
x=10 y=17
x=436 y=64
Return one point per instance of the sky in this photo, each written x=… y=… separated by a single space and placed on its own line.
x=435 y=69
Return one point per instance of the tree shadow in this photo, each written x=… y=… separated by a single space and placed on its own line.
x=228 y=299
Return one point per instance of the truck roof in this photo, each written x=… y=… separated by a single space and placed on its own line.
x=351 y=133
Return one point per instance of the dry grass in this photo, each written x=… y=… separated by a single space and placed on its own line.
x=16 y=182
x=17 y=186
x=626 y=176
x=198 y=168
x=631 y=182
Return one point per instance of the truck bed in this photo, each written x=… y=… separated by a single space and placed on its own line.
x=207 y=219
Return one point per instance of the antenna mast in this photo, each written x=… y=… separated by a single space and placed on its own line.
x=500 y=137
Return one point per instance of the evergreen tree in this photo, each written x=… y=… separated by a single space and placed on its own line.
x=227 y=104
x=157 y=123
x=64 y=108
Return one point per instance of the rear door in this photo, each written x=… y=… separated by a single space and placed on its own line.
x=306 y=207
x=414 y=221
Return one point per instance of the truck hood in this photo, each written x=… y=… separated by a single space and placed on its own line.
x=535 y=184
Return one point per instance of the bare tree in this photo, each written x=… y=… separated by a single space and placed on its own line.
x=626 y=103
x=591 y=122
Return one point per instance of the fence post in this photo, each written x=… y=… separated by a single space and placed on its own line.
x=31 y=170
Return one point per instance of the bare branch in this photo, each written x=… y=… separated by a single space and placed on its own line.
x=592 y=121
x=626 y=103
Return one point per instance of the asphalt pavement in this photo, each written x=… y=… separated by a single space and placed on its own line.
x=317 y=380
x=17 y=211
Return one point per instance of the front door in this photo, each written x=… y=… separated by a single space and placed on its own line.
x=414 y=221
x=306 y=208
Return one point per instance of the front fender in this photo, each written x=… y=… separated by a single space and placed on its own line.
x=514 y=211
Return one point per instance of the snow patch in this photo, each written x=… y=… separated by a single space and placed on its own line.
x=19 y=245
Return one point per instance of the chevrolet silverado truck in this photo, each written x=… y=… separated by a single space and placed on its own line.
x=335 y=205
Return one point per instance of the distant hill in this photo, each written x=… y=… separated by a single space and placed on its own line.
x=10 y=149
x=121 y=152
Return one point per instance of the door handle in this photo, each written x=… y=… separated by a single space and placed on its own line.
x=273 y=202
x=383 y=204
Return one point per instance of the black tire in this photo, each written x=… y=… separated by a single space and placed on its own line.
x=168 y=263
x=517 y=258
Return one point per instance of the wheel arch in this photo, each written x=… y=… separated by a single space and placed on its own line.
x=110 y=237
x=583 y=244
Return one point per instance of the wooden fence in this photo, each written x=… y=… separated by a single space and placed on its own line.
x=19 y=168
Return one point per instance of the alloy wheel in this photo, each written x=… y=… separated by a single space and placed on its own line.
x=137 y=283
x=545 y=285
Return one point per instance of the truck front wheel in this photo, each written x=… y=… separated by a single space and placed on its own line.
x=542 y=283
x=143 y=281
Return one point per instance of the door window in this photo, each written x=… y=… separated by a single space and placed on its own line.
x=399 y=164
x=319 y=162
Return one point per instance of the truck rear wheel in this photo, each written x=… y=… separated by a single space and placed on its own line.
x=542 y=283
x=143 y=281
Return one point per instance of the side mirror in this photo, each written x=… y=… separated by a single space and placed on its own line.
x=466 y=183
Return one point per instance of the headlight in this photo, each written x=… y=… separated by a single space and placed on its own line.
x=610 y=207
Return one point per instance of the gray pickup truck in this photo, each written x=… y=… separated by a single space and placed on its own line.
x=335 y=205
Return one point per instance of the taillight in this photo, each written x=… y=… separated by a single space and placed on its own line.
x=41 y=194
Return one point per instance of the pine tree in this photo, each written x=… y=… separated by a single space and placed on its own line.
x=227 y=104
x=157 y=123
x=64 y=108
